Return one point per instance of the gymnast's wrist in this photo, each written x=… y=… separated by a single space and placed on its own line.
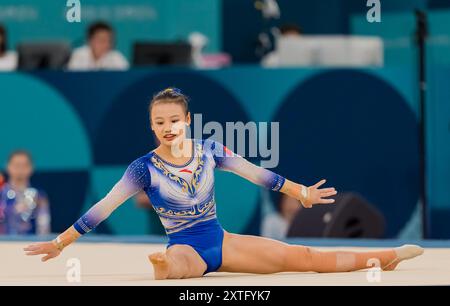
x=58 y=243
x=304 y=194
x=66 y=238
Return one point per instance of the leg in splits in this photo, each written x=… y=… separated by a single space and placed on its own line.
x=252 y=254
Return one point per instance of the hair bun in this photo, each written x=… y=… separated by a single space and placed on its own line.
x=172 y=90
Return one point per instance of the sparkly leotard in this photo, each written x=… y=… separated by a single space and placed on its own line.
x=182 y=195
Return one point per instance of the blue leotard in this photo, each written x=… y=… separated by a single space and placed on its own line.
x=182 y=195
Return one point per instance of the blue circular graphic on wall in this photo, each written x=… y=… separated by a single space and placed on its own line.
x=357 y=131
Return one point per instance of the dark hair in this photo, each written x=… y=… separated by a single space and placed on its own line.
x=3 y=42
x=290 y=27
x=20 y=152
x=98 y=26
x=170 y=95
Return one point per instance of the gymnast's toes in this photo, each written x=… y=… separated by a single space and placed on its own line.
x=160 y=265
x=157 y=258
x=404 y=252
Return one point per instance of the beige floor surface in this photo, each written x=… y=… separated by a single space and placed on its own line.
x=127 y=264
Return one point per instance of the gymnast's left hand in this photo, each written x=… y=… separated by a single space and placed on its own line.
x=314 y=195
x=49 y=249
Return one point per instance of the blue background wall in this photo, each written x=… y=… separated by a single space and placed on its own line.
x=161 y=20
x=242 y=22
x=357 y=128
x=398 y=33
x=231 y=25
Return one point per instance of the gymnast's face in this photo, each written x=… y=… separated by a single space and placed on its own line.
x=168 y=121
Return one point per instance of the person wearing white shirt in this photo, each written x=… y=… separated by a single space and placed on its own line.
x=98 y=54
x=8 y=59
x=272 y=59
x=276 y=224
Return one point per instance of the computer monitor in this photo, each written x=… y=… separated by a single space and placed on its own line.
x=157 y=54
x=43 y=55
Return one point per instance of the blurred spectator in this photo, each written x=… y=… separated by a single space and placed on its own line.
x=271 y=59
x=2 y=181
x=276 y=224
x=99 y=53
x=23 y=209
x=290 y=29
x=8 y=59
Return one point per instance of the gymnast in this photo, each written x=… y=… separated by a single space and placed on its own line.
x=181 y=190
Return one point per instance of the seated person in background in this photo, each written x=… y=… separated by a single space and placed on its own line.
x=271 y=59
x=276 y=225
x=23 y=209
x=8 y=59
x=98 y=54
x=2 y=181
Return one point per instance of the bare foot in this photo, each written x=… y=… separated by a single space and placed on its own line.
x=404 y=252
x=160 y=264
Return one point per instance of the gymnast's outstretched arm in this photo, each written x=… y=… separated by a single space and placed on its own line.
x=230 y=161
x=135 y=178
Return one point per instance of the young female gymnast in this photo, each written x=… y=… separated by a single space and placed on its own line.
x=181 y=190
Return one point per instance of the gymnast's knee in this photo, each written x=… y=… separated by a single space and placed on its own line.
x=298 y=258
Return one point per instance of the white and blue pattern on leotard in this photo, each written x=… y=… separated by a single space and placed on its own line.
x=182 y=196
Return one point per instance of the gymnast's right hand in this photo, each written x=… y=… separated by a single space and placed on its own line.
x=314 y=195
x=49 y=249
